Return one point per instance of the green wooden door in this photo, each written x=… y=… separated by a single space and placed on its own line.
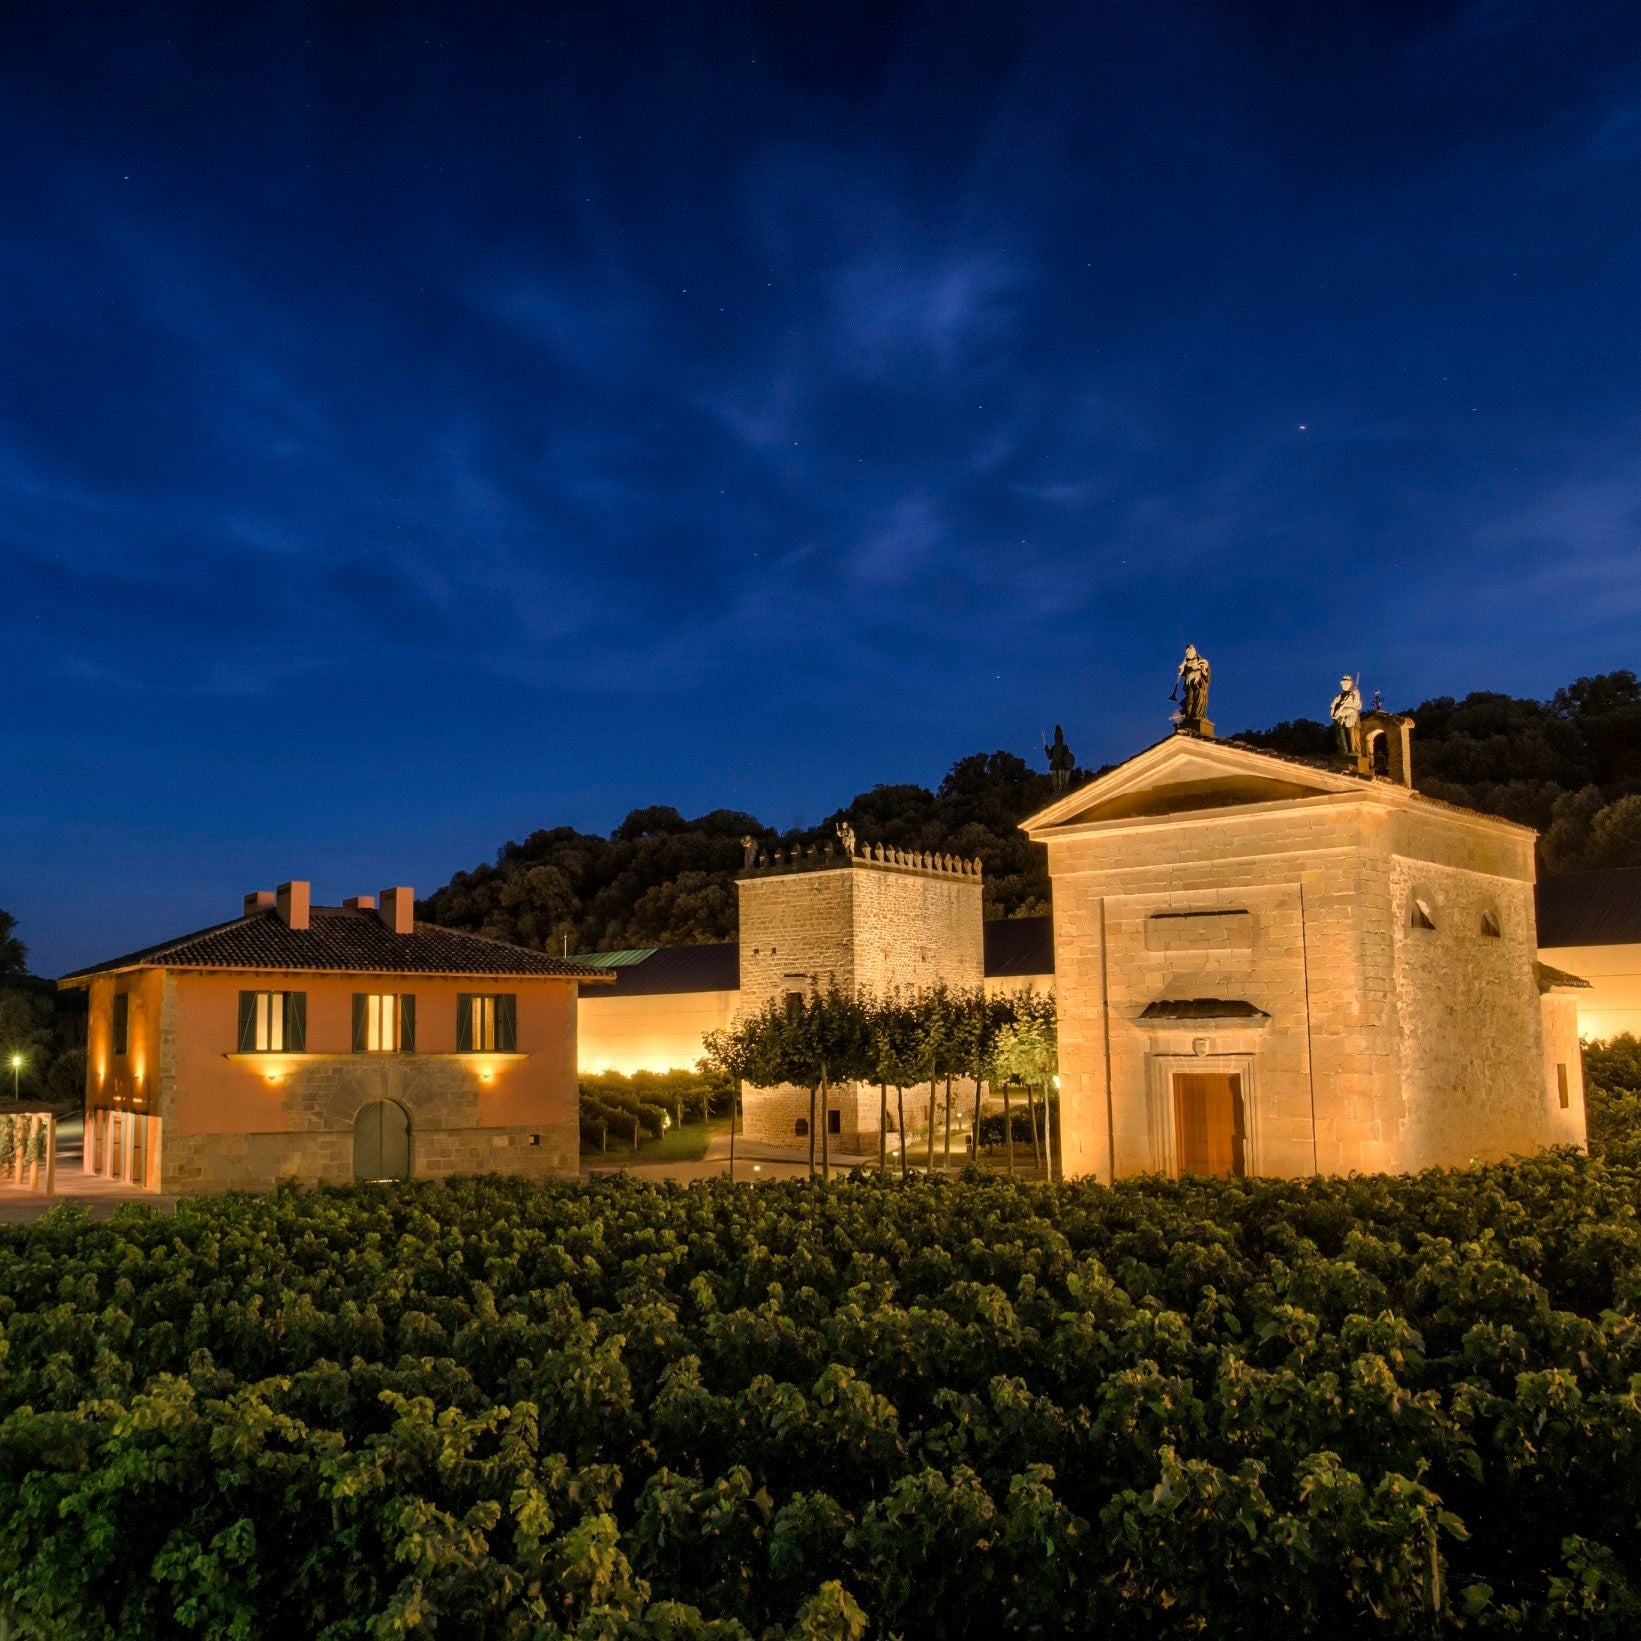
x=381 y=1141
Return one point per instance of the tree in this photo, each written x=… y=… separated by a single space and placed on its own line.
x=1028 y=1051
x=13 y=953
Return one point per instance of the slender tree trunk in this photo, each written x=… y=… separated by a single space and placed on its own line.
x=811 y=1130
x=1008 y=1130
x=931 y=1117
x=882 y=1126
x=975 y=1137
x=900 y=1105
x=826 y=1128
x=946 y=1160
x=1048 y=1133
x=1031 y=1113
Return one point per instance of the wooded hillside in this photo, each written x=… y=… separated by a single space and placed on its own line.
x=1570 y=766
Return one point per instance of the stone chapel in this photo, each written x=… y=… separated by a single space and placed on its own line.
x=1276 y=966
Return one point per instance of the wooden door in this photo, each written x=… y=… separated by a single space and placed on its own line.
x=1209 y=1132
x=381 y=1141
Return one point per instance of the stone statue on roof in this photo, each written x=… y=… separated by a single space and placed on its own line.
x=1191 y=688
x=1061 y=760
x=1346 y=713
x=846 y=834
x=749 y=851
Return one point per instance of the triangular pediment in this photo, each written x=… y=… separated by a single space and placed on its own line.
x=1186 y=774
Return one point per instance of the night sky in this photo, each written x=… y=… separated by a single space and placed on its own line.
x=416 y=432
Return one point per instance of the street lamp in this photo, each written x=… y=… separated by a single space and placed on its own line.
x=16 y=1072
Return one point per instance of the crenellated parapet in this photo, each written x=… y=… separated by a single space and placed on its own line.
x=830 y=857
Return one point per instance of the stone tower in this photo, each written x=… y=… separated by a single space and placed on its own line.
x=874 y=917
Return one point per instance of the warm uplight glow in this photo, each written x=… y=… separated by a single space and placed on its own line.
x=486 y=1074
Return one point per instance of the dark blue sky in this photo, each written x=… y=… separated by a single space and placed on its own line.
x=416 y=432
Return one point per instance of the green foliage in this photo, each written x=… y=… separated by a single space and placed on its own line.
x=960 y=1408
x=1612 y=1097
x=625 y=1108
x=41 y=1024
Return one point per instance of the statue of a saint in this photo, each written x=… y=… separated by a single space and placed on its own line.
x=846 y=835
x=1061 y=761
x=1191 y=686
x=1346 y=713
x=749 y=852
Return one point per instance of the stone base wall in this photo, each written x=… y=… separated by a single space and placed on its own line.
x=258 y=1162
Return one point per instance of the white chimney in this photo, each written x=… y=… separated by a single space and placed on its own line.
x=291 y=901
x=259 y=900
x=399 y=909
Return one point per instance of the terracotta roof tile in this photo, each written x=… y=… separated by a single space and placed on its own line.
x=341 y=940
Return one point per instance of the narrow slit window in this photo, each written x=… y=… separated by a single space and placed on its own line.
x=1561 y=1087
x=1423 y=917
x=1490 y=926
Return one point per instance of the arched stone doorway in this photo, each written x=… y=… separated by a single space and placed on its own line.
x=381 y=1141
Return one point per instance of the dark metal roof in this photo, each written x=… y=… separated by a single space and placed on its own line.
x=1590 y=908
x=340 y=940
x=672 y=969
x=1202 y=1008
x=1019 y=945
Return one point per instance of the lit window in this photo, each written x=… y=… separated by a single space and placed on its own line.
x=383 y=1023
x=273 y=1022
x=487 y=1024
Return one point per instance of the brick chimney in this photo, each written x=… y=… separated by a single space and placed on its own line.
x=359 y=903
x=291 y=900
x=259 y=900
x=399 y=909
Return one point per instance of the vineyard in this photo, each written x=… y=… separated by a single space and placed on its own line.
x=946 y=1408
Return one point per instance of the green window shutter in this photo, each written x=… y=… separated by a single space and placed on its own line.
x=507 y=1023
x=359 y=1037
x=296 y=1022
x=247 y=1022
x=464 y=1022
x=407 y=1023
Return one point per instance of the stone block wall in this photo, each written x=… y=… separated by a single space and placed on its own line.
x=1377 y=1046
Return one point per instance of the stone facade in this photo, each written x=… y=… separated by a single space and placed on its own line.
x=860 y=922
x=1359 y=959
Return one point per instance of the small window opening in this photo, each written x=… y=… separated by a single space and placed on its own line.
x=1422 y=917
x=1490 y=926
x=801 y=1127
x=834 y=1122
x=1561 y=1087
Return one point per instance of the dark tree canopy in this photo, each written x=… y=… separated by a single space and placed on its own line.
x=1570 y=766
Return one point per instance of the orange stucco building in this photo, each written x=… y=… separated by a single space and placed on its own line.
x=314 y=1043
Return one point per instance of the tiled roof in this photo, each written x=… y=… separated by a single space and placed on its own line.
x=1018 y=945
x=1590 y=908
x=669 y=969
x=341 y=940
